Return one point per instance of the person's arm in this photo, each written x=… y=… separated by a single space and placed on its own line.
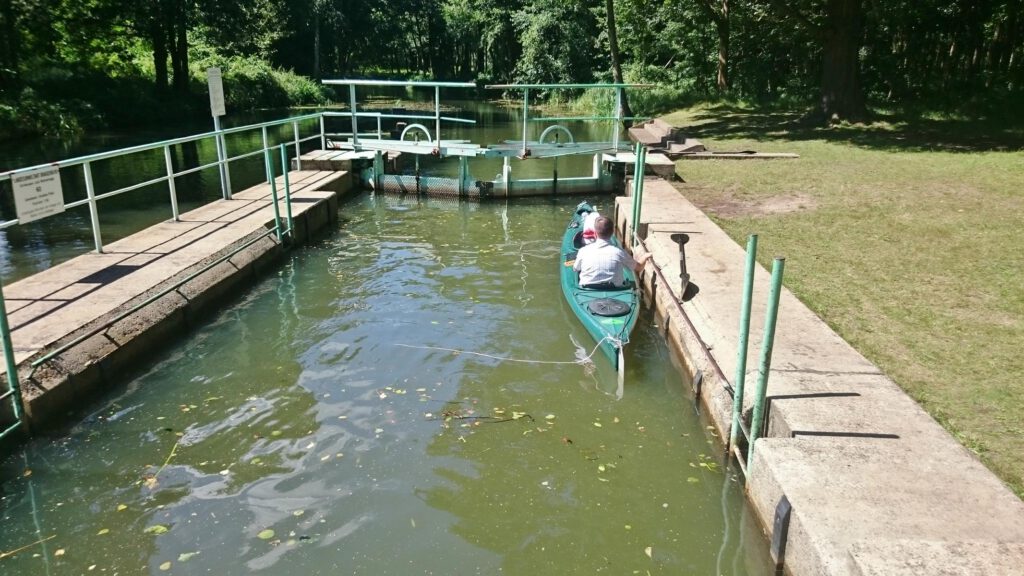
x=640 y=261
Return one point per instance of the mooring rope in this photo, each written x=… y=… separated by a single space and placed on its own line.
x=583 y=360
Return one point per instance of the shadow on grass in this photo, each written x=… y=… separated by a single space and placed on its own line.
x=886 y=131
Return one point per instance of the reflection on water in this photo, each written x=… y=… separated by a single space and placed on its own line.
x=322 y=425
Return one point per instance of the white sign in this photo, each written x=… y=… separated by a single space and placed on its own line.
x=216 y=91
x=37 y=194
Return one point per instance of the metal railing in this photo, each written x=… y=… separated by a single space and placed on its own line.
x=12 y=395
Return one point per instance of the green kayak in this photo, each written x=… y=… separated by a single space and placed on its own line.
x=609 y=315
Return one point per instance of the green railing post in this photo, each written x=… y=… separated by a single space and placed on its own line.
x=94 y=214
x=13 y=387
x=273 y=192
x=741 y=350
x=766 y=358
x=287 y=191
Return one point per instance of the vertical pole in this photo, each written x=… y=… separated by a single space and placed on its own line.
x=526 y=114
x=352 y=109
x=323 y=133
x=226 y=166
x=766 y=358
x=463 y=174
x=298 y=149
x=506 y=175
x=269 y=162
x=618 y=119
x=378 y=168
x=287 y=191
x=741 y=351
x=12 y=367
x=94 y=214
x=437 y=117
x=266 y=150
x=220 y=156
x=170 y=182
x=380 y=132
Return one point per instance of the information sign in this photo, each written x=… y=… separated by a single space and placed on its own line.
x=37 y=194
x=216 y=91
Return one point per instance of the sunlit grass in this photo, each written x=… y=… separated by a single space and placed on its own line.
x=908 y=245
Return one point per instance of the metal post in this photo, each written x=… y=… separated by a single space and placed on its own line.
x=352 y=110
x=287 y=191
x=618 y=118
x=506 y=175
x=170 y=182
x=766 y=358
x=266 y=150
x=298 y=149
x=94 y=214
x=526 y=114
x=226 y=166
x=323 y=133
x=220 y=156
x=437 y=117
x=268 y=161
x=463 y=174
x=14 y=388
x=741 y=350
x=380 y=131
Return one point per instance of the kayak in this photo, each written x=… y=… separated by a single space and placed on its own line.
x=608 y=315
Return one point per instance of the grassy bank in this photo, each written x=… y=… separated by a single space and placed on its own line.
x=905 y=237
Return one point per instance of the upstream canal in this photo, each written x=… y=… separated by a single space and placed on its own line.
x=355 y=413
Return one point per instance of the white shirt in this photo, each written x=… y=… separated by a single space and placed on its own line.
x=602 y=262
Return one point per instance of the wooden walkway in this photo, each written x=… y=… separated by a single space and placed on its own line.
x=87 y=295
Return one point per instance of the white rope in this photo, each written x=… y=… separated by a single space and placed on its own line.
x=583 y=360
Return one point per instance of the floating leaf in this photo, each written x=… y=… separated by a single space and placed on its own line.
x=600 y=468
x=255 y=461
x=275 y=433
x=649 y=551
x=628 y=527
x=150 y=482
x=298 y=513
x=27 y=473
x=186 y=556
x=549 y=417
x=598 y=424
x=692 y=480
x=166 y=566
x=121 y=507
x=103 y=531
x=518 y=415
x=156 y=529
x=59 y=552
x=266 y=534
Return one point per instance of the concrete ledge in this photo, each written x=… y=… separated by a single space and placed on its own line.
x=861 y=463
x=916 y=557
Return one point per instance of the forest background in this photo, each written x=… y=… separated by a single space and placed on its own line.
x=68 y=66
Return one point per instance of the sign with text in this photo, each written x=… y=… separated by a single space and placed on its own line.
x=213 y=78
x=37 y=194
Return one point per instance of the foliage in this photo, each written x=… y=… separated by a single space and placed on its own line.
x=113 y=61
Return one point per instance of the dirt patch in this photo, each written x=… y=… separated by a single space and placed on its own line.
x=733 y=208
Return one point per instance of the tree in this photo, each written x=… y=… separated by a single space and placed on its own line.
x=718 y=11
x=839 y=31
x=613 y=48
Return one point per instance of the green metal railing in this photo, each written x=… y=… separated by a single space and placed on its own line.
x=12 y=396
x=757 y=422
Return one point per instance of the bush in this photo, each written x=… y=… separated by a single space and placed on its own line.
x=250 y=83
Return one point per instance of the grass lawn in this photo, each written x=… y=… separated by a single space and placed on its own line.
x=905 y=236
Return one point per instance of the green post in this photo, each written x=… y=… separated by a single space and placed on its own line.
x=13 y=387
x=287 y=191
x=741 y=351
x=636 y=192
x=273 y=191
x=766 y=357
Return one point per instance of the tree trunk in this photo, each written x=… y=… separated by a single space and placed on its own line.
x=723 y=48
x=8 y=45
x=613 y=47
x=316 y=45
x=159 y=40
x=180 y=43
x=842 y=97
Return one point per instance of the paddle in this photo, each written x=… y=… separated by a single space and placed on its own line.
x=682 y=239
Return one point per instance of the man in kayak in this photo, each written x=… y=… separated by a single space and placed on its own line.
x=600 y=264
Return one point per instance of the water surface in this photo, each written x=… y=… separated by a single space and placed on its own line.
x=358 y=412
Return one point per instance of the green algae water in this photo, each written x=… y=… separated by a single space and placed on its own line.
x=401 y=397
